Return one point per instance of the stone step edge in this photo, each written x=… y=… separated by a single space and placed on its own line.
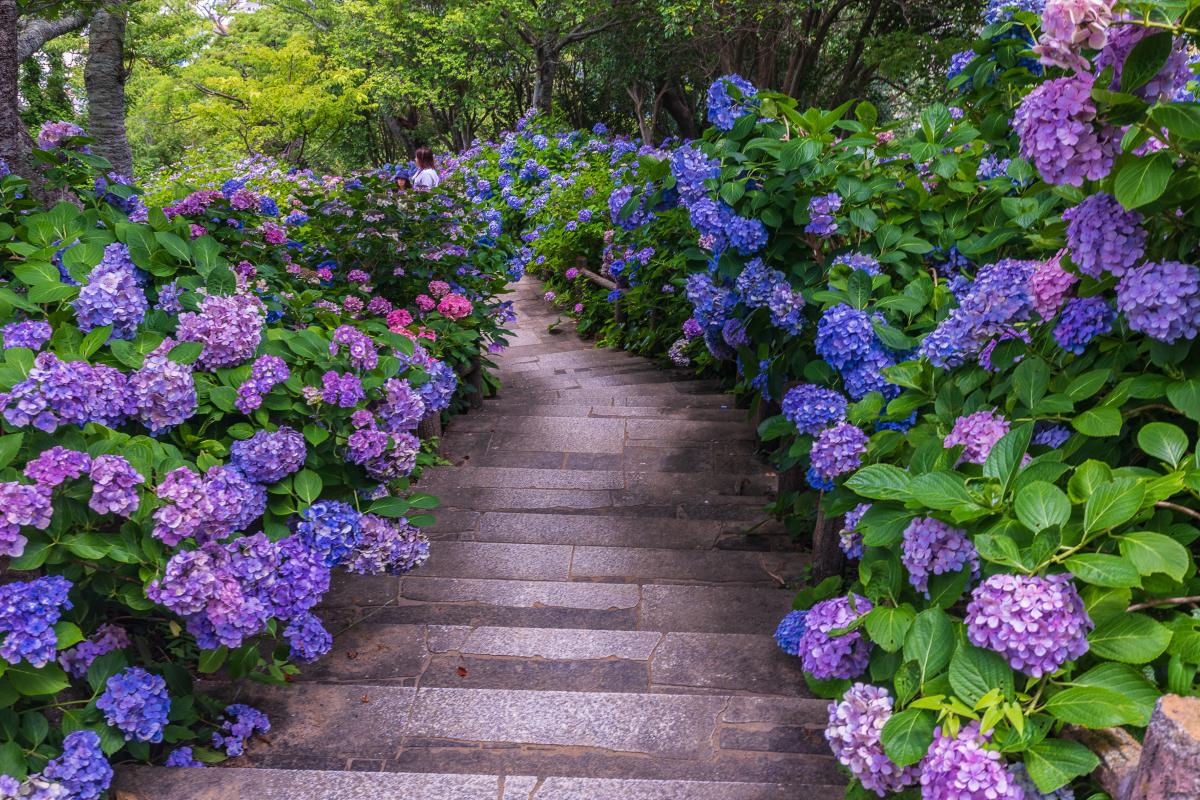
x=165 y=783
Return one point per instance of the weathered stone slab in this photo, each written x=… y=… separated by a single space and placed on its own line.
x=161 y=783
x=598 y=596
x=727 y=662
x=713 y=609
x=616 y=531
x=693 y=566
x=498 y=561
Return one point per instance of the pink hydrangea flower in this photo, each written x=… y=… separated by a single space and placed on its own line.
x=1050 y=284
x=454 y=306
x=579 y=308
x=398 y=320
x=425 y=302
x=439 y=288
x=978 y=433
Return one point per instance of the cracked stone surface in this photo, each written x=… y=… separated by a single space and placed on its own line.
x=594 y=621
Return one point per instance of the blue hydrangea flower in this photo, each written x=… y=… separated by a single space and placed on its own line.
x=813 y=408
x=726 y=107
x=332 y=529
x=136 y=703
x=790 y=631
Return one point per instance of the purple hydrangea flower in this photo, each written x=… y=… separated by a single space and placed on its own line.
x=268 y=457
x=163 y=392
x=824 y=656
x=1102 y=236
x=692 y=329
x=855 y=735
x=29 y=610
x=726 y=108
x=332 y=529
x=266 y=372
x=31 y=333
x=1052 y=436
x=57 y=465
x=52 y=134
x=301 y=579
x=402 y=408
x=169 y=302
x=308 y=638
x=931 y=547
x=183 y=757
x=820 y=211
x=22 y=505
x=756 y=283
x=361 y=349
x=747 y=236
x=790 y=631
x=859 y=261
x=112 y=296
x=344 y=390
x=838 y=449
x=388 y=546
x=241 y=722
x=106 y=639
x=978 y=433
x=850 y=538
x=1061 y=135
x=82 y=768
x=398 y=461
x=1083 y=319
x=54 y=393
x=1050 y=284
x=1037 y=623
x=439 y=390
x=845 y=336
x=962 y=768
x=114 y=486
x=230 y=328
x=136 y=703
x=813 y=408
x=787 y=309
x=1162 y=300
x=1172 y=77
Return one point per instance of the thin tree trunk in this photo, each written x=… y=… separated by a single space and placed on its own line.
x=104 y=78
x=543 y=78
x=681 y=112
x=14 y=149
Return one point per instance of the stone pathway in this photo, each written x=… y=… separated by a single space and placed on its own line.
x=594 y=622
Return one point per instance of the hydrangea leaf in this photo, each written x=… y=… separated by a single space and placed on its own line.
x=1093 y=707
x=907 y=735
x=974 y=672
x=1130 y=638
x=1053 y=763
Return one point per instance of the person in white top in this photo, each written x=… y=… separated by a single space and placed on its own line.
x=427 y=176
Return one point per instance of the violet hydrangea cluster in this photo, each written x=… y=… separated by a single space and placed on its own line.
x=978 y=434
x=30 y=333
x=850 y=537
x=108 y=637
x=813 y=408
x=1037 y=623
x=269 y=456
x=1061 y=135
x=837 y=450
x=855 y=735
x=29 y=610
x=331 y=528
x=81 y=769
x=240 y=723
x=820 y=211
x=388 y=547
x=22 y=505
x=114 y=486
x=726 y=107
x=112 y=296
x=846 y=340
x=932 y=547
x=999 y=296
x=1083 y=319
x=962 y=768
x=1162 y=300
x=825 y=656
x=266 y=373
x=57 y=465
x=136 y=703
x=230 y=328
x=359 y=347
x=307 y=638
x=1103 y=237
x=163 y=392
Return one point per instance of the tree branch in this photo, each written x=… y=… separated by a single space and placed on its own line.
x=32 y=34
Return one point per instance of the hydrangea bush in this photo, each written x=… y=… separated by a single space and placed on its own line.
x=208 y=405
x=975 y=334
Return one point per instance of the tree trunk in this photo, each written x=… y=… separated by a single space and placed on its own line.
x=681 y=112
x=543 y=78
x=14 y=149
x=104 y=77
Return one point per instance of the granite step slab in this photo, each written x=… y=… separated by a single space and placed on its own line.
x=643 y=502
x=678 y=484
x=161 y=783
x=563 y=659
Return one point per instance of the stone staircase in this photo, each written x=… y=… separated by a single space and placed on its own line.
x=594 y=622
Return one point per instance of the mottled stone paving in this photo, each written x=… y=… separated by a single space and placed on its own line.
x=594 y=621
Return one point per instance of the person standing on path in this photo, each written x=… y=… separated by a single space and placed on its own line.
x=427 y=175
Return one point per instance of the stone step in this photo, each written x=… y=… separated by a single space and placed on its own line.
x=608 y=531
x=417 y=599
x=570 y=734
x=648 y=504
x=608 y=410
x=676 y=484
x=551 y=562
x=637 y=376
x=160 y=783
x=490 y=657
x=637 y=396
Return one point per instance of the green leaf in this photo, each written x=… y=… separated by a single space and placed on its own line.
x=94 y=340
x=1185 y=395
x=1112 y=504
x=974 y=672
x=1182 y=120
x=186 y=353
x=1087 y=384
x=888 y=626
x=37 y=682
x=1092 y=707
x=1004 y=460
x=1130 y=638
x=907 y=735
x=943 y=490
x=775 y=427
x=52 y=293
x=1143 y=180
x=67 y=634
x=220 y=281
x=212 y=660
x=307 y=485
x=1127 y=682
x=1100 y=569
x=389 y=507
x=1088 y=475
x=10 y=445
x=1030 y=379
x=1145 y=60
x=422 y=520
x=1040 y=505
x=174 y=245
x=315 y=435
x=1164 y=441
x=12 y=760
x=223 y=397
x=1098 y=422
x=880 y=482
x=104 y=667
x=1155 y=552
x=930 y=642
x=1053 y=763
